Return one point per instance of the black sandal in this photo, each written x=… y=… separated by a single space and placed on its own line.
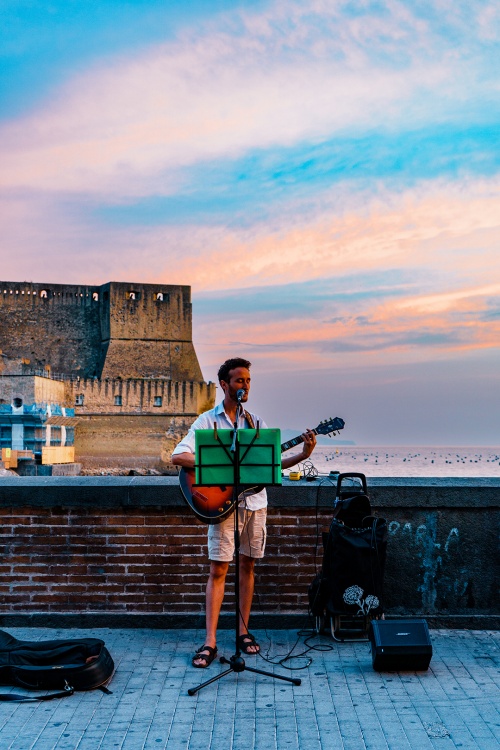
x=207 y=658
x=245 y=641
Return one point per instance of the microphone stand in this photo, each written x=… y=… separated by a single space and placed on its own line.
x=236 y=662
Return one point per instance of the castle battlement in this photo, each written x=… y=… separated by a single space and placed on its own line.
x=156 y=396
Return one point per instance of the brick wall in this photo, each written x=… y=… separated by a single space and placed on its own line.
x=128 y=547
x=139 y=560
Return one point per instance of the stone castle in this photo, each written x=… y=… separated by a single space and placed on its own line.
x=122 y=355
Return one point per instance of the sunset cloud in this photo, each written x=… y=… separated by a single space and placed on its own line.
x=323 y=174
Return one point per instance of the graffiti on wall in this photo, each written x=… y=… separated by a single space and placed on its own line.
x=443 y=571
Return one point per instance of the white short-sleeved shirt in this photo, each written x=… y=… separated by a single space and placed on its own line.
x=206 y=422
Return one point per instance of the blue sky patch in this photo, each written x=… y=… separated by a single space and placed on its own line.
x=240 y=192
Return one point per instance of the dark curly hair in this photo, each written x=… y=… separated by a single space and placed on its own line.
x=231 y=364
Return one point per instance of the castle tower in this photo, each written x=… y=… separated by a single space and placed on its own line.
x=125 y=330
x=126 y=352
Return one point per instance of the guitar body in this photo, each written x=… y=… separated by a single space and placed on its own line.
x=213 y=503
x=210 y=504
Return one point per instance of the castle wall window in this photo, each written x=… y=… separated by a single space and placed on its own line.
x=79 y=399
x=43 y=294
x=118 y=400
x=133 y=295
x=95 y=296
x=158 y=401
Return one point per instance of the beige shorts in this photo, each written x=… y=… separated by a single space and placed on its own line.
x=252 y=525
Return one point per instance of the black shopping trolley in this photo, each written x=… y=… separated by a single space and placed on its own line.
x=349 y=589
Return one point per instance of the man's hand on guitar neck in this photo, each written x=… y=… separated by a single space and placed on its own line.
x=308 y=446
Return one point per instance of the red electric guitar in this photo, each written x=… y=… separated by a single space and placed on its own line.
x=213 y=503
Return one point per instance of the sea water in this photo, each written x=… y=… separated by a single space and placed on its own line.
x=408 y=461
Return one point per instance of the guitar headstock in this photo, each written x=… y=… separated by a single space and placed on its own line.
x=330 y=425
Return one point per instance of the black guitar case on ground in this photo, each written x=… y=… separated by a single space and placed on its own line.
x=64 y=665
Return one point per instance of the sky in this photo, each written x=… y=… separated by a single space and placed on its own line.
x=323 y=174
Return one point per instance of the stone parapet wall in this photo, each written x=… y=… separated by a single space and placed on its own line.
x=120 y=547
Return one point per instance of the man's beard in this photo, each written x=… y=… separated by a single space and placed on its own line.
x=233 y=392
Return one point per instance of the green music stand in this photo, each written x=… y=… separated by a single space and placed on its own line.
x=258 y=458
x=241 y=458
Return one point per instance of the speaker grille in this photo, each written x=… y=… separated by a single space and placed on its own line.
x=401 y=633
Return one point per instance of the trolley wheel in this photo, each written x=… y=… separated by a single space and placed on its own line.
x=349 y=628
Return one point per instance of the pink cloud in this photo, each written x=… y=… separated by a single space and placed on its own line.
x=450 y=230
x=445 y=228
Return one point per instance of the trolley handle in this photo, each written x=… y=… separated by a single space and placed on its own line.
x=353 y=475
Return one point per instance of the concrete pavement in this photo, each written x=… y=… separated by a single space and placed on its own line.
x=341 y=703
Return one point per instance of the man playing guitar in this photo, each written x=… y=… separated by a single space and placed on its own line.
x=233 y=375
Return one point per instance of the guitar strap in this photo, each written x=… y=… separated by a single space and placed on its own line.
x=251 y=424
x=249 y=419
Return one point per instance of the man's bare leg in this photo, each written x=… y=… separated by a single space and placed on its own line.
x=246 y=596
x=214 y=596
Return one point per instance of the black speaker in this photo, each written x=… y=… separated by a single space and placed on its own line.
x=399 y=645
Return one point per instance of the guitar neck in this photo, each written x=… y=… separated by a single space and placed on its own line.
x=294 y=441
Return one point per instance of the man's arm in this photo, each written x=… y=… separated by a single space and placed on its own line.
x=183 y=454
x=183 y=459
x=308 y=446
